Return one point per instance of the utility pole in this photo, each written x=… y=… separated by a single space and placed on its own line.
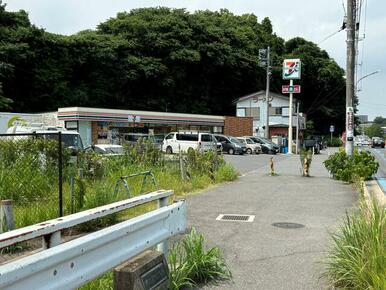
x=350 y=75
x=297 y=127
x=267 y=91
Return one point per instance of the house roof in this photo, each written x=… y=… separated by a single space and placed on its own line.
x=261 y=93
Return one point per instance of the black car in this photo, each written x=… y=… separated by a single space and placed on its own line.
x=231 y=145
x=377 y=142
x=267 y=146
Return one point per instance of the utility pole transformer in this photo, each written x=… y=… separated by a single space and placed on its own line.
x=350 y=75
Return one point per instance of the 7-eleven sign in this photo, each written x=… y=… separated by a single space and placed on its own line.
x=292 y=69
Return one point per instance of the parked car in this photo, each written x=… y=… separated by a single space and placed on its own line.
x=267 y=146
x=218 y=145
x=105 y=149
x=377 y=142
x=252 y=147
x=231 y=145
x=70 y=139
x=184 y=141
x=133 y=138
x=314 y=143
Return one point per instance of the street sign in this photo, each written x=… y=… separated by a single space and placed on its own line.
x=350 y=122
x=290 y=89
x=291 y=69
x=332 y=129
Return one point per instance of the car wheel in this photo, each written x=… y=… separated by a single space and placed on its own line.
x=249 y=150
x=169 y=150
x=231 y=151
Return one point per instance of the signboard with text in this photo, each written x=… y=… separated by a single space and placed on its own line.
x=292 y=69
x=350 y=122
x=290 y=89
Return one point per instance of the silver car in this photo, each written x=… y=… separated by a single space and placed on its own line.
x=252 y=147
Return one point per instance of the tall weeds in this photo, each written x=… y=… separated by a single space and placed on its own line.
x=357 y=257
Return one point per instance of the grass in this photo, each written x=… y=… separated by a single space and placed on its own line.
x=191 y=264
x=357 y=257
x=33 y=186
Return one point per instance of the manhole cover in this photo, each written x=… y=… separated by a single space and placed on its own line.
x=236 y=218
x=286 y=225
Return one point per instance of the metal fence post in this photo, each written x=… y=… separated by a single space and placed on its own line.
x=7 y=221
x=163 y=247
x=72 y=189
x=60 y=165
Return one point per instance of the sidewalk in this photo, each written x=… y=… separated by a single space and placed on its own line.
x=260 y=255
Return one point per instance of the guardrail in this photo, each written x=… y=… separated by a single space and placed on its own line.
x=72 y=264
x=50 y=230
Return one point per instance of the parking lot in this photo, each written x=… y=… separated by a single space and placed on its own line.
x=247 y=163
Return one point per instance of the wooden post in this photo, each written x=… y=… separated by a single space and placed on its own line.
x=7 y=221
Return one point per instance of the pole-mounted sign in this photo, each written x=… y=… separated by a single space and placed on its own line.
x=292 y=69
x=350 y=123
x=290 y=89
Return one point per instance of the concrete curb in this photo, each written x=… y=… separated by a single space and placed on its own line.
x=372 y=190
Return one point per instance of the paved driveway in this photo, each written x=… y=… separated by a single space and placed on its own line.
x=260 y=255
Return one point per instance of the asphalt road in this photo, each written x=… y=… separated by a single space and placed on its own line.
x=260 y=255
x=246 y=163
x=380 y=155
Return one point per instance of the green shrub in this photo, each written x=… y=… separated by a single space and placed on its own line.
x=203 y=163
x=334 y=142
x=361 y=165
x=191 y=264
x=142 y=153
x=357 y=257
x=225 y=172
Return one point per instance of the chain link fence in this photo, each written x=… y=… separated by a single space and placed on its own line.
x=31 y=176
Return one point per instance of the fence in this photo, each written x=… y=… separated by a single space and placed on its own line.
x=31 y=175
x=44 y=181
x=72 y=264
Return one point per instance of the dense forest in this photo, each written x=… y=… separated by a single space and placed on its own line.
x=160 y=59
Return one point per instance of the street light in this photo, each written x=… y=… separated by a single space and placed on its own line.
x=370 y=74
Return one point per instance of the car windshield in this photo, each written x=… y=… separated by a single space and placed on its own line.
x=267 y=141
x=249 y=141
x=234 y=140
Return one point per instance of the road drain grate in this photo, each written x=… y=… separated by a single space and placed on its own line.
x=286 y=225
x=236 y=218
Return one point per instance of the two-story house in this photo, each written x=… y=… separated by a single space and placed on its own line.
x=254 y=105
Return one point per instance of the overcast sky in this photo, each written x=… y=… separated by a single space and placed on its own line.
x=311 y=19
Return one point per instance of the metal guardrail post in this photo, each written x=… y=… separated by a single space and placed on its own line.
x=7 y=221
x=163 y=247
x=51 y=240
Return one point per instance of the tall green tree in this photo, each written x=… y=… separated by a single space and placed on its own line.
x=161 y=59
x=374 y=130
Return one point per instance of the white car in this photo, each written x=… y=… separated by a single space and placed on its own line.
x=183 y=141
x=70 y=139
x=106 y=149
x=252 y=147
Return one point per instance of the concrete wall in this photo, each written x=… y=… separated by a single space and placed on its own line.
x=238 y=126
